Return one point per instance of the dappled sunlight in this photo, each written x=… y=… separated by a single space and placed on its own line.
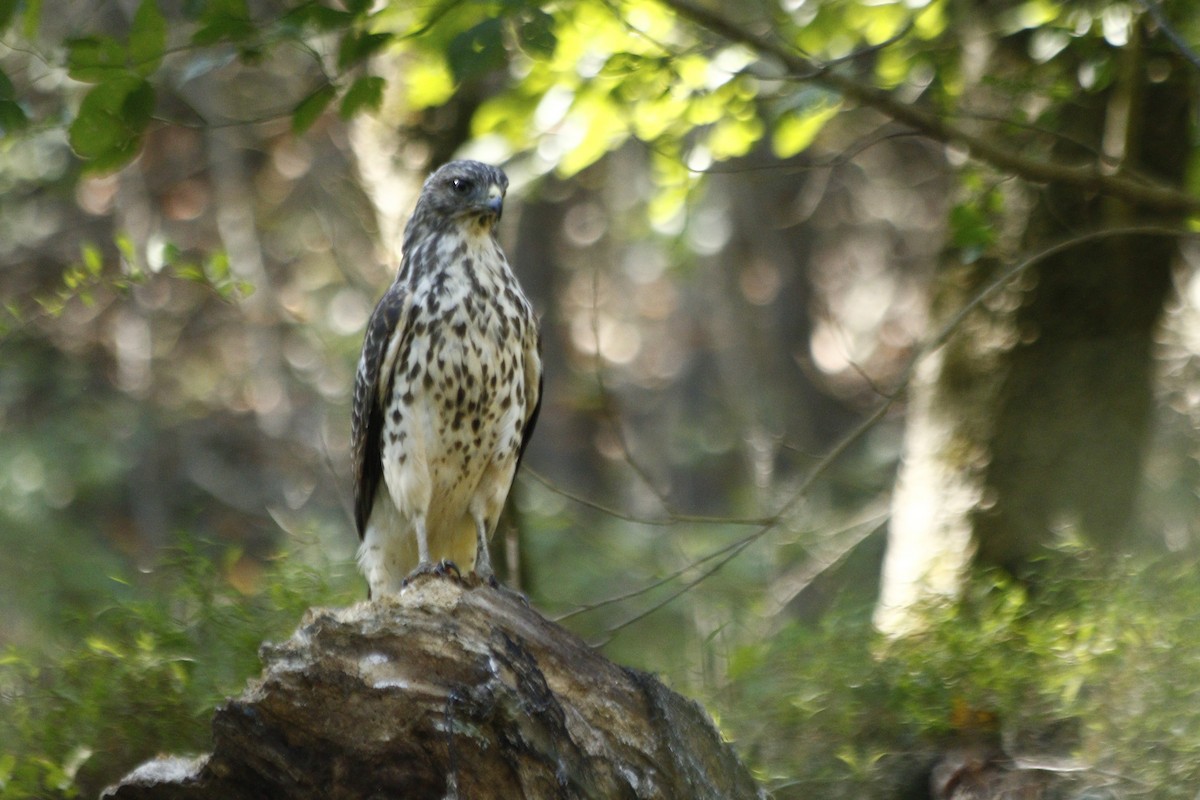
x=825 y=289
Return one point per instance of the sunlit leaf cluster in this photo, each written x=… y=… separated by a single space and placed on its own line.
x=1094 y=679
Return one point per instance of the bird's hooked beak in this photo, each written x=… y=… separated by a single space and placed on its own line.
x=495 y=200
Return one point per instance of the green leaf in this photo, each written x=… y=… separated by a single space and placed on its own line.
x=108 y=130
x=732 y=137
x=93 y=259
x=138 y=108
x=129 y=258
x=357 y=6
x=225 y=21
x=172 y=255
x=7 y=9
x=12 y=116
x=33 y=18
x=477 y=50
x=97 y=127
x=971 y=230
x=236 y=9
x=311 y=108
x=536 y=34
x=624 y=65
x=217 y=267
x=147 y=38
x=357 y=46
x=225 y=29
x=795 y=131
x=322 y=18
x=93 y=59
x=365 y=94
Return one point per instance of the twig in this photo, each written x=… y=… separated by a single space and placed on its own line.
x=730 y=551
x=675 y=518
x=606 y=404
x=608 y=601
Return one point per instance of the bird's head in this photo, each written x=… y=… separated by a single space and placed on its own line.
x=465 y=191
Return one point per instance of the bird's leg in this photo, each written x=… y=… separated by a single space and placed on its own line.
x=425 y=565
x=423 y=558
x=483 y=558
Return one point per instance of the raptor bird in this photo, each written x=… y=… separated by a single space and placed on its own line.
x=447 y=390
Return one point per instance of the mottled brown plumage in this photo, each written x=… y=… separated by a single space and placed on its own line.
x=447 y=389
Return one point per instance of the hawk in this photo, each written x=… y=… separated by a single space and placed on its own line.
x=447 y=390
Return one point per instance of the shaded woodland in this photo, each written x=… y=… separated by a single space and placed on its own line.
x=870 y=334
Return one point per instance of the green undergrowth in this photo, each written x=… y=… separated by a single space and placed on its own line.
x=1097 y=678
x=1096 y=673
x=141 y=676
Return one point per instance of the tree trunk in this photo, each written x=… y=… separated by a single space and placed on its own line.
x=1035 y=416
x=449 y=692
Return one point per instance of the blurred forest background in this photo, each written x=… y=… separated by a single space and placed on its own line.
x=871 y=334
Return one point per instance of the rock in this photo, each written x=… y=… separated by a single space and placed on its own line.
x=449 y=691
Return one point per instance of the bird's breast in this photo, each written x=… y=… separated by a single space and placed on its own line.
x=458 y=387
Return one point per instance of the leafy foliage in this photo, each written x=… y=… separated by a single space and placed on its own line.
x=12 y=116
x=114 y=114
x=829 y=706
x=1106 y=663
x=142 y=675
x=1096 y=674
x=587 y=74
x=86 y=278
x=580 y=78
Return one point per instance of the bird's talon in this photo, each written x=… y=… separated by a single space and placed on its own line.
x=442 y=569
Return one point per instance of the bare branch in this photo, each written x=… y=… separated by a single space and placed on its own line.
x=673 y=518
x=728 y=552
x=606 y=404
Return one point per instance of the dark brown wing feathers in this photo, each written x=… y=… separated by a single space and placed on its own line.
x=527 y=431
x=367 y=416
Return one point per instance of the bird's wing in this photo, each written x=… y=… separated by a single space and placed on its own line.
x=533 y=400
x=374 y=367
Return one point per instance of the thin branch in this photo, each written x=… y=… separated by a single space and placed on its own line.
x=819 y=564
x=739 y=545
x=1088 y=178
x=817 y=568
x=733 y=549
x=895 y=38
x=846 y=156
x=674 y=518
x=606 y=404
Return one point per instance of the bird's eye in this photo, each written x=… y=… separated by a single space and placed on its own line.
x=460 y=185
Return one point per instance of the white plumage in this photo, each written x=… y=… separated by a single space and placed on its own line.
x=447 y=389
